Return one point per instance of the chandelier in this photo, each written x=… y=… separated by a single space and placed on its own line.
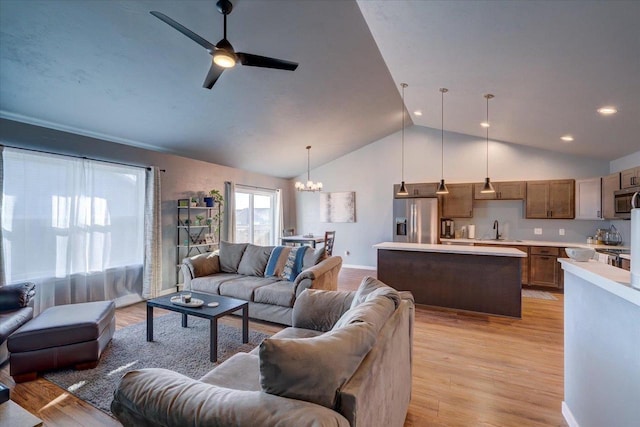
x=310 y=185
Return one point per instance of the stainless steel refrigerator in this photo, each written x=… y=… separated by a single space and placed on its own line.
x=415 y=220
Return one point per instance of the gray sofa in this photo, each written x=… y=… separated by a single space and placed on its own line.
x=345 y=362
x=258 y=274
x=16 y=309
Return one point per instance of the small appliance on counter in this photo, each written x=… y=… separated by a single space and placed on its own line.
x=447 y=228
x=608 y=236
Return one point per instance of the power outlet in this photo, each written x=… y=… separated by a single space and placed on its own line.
x=347 y=253
x=561 y=231
x=537 y=231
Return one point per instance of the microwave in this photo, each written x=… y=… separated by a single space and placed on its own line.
x=623 y=201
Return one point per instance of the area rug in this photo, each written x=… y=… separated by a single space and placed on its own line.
x=184 y=350
x=529 y=293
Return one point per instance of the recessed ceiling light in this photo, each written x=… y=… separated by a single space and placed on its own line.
x=485 y=124
x=567 y=138
x=607 y=111
x=418 y=112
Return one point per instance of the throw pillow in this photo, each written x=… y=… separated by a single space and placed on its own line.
x=367 y=286
x=254 y=260
x=293 y=266
x=314 y=257
x=314 y=369
x=277 y=260
x=230 y=256
x=375 y=311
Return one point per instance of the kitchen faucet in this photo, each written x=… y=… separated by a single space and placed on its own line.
x=496 y=227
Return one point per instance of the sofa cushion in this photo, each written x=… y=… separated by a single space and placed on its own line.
x=17 y=295
x=244 y=286
x=375 y=311
x=211 y=284
x=230 y=256
x=254 y=260
x=370 y=285
x=314 y=369
x=319 y=310
x=12 y=319
x=239 y=372
x=293 y=266
x=202 y=265
x=314 y=257
x=277 y=260
x=281 y=293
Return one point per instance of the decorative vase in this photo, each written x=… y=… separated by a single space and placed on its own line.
x=208 y=201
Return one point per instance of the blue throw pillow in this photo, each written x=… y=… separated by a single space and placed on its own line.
x=293 y=267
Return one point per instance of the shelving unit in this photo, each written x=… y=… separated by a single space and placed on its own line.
x=192 y=235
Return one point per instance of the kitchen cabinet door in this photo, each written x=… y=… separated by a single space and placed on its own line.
x=589 y=198
x=551 y=199
x=610 y=184
x=543 y=270
x=537 y=202
x=630 y=177
x=505 y=190
x=459 y=202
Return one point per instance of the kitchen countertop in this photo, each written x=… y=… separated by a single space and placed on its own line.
x=625 y=256
x=530 y=243
x=612 y=279
x=451 y=249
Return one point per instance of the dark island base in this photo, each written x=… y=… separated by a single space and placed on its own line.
x=479 y=283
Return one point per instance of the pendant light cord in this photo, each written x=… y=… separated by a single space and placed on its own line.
x=403 y=86
x=442 y=91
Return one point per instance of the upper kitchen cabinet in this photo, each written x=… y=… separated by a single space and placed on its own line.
x=423 y=189
x=459 y=202
x=610 y=183
x=630 y=177
x=553 y=199
x=505 y=190
x=589 y=198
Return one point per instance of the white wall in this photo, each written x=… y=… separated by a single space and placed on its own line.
x=372 y=170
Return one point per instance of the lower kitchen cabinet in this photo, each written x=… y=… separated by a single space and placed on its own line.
x=544 y=268
x=524 y=263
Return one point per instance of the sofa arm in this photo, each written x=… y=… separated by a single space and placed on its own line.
x=319 y=310
x=199 y=266
x=323 y=275
x=159 y=397
x=16 y=296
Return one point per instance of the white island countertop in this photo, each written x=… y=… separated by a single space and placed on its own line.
x=612 y=279
x=451 y=249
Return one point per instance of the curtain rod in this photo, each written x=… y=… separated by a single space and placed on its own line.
x=79 y=157
x=257 y=188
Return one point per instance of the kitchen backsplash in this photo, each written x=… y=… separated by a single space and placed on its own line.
x=513 y=225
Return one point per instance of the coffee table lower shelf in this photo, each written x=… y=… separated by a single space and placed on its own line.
x=225 y=306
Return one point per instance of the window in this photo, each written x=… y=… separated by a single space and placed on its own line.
x=256 y=216
x=72 y=222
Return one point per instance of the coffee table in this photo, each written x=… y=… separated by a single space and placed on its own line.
x=226 y=306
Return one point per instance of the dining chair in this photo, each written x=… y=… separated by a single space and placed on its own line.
x=329 y=237
x=288 y=232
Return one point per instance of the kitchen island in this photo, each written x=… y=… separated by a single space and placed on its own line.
x=471 y=278
x=601 y=346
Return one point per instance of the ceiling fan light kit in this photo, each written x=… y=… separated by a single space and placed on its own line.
x=223 y=54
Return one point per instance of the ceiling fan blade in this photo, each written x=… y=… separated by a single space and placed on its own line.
x=184 y=30
x=265 y=62
x=212 y=76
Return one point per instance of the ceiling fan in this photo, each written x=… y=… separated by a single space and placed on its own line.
x=223 y=54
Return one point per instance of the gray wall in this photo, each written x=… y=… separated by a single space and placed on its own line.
x=182 y=178
x=372 y=170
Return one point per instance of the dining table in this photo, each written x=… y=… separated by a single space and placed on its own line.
x=306 y=239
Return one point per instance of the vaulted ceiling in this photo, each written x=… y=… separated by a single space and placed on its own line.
x=111 y=70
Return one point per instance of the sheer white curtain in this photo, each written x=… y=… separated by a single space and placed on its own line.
x=152 y=279
x=229 y=217
x=72 y=226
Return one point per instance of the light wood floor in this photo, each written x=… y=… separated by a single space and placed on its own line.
x=468 y=370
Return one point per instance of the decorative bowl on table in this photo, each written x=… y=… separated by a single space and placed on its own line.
x=580 y=254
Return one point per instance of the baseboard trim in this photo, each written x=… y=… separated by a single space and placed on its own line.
x=360 y=267
x=128 y=300
x=171 y=290
x=568 y=415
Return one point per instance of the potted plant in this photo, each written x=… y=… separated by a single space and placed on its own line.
x=199 y=219
x=194 y=202
x=214 y=197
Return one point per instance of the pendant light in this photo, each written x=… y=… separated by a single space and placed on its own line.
x=403 y=190
x=488 y=188
x=310 y=185
x=442 y=188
